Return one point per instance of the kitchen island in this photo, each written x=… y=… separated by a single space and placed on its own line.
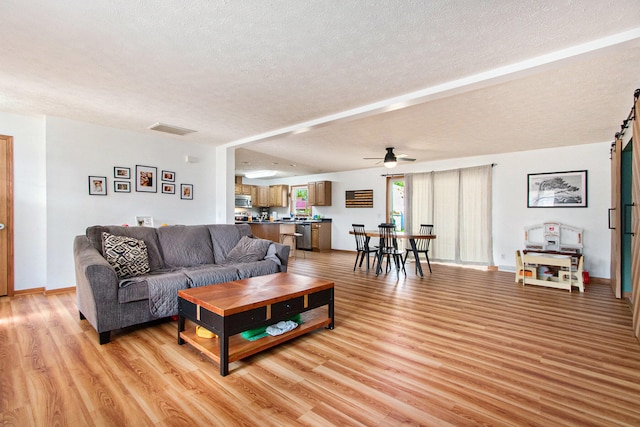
x=320 y=231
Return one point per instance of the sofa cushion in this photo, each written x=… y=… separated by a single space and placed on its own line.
x=248 y=250
x=224 y=237
x=146 y=234
x=137 y=288
x=210 y=274
x=128 y=256
x=185 y=245
x=252 y=269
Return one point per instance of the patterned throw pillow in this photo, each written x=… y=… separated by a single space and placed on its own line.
x=126 y=255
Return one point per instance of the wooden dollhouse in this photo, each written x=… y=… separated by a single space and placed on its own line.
x=556 y=250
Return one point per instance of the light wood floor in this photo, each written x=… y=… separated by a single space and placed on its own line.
x=459 y=347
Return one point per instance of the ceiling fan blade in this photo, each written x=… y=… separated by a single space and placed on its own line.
x=406 y=159
x=372 y=158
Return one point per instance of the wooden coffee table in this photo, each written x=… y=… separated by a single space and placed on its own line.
x=227 y=309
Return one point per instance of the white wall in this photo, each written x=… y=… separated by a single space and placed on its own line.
x=510 y=212
x=76 y=150
x=53 y=158
x=30 y=198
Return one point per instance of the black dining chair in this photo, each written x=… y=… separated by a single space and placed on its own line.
x=362 y=245
x=422 y=245
x=388 y=247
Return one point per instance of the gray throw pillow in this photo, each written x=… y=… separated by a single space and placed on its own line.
x=249 y=250
x=128 y=256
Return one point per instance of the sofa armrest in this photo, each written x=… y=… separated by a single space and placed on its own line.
x=96 y=286
x=282 y=252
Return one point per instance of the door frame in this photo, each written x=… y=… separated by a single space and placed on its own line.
x=8 y=140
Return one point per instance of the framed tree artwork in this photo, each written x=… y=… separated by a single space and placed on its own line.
x=557 y=189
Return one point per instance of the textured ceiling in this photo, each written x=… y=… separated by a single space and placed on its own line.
x=436 y=79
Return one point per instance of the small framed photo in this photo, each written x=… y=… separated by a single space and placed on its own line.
x=557 y=189
x=168 y=176
x=97 y=185
x=186 y=191
x=144 y=221
x=146 y=179
x=121 y=173
x=168 y=188
x=122 y=186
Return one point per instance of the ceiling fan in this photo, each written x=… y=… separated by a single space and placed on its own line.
x=390 y=160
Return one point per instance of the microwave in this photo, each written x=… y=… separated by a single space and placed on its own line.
x=243 y=201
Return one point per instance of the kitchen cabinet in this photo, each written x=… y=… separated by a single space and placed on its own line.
x=271 y=230
x=262 y=200
x=321 y=236
x=243 y=189
x=319 y=193
x=279 y=196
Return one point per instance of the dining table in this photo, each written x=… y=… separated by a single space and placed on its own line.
x=411 y=237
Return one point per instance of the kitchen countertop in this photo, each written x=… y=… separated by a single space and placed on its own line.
x=280 y=222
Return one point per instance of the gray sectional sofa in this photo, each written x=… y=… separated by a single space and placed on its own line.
x=126 y=276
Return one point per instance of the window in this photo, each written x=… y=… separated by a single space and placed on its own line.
x=300 y=205
x=395 y=200
x=458 y=204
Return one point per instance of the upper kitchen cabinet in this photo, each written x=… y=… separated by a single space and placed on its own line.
x=243 y=189
x=279 y=196
x=319 y=193
x=261 y=199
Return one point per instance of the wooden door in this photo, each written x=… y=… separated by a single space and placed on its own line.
x=6 y=215
x=615 y=223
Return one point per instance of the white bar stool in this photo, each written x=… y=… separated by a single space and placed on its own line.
x=294 y=242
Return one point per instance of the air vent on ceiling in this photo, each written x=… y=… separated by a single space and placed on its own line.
x=175 y=130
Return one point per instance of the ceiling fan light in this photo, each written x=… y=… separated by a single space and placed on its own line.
x=390 y=160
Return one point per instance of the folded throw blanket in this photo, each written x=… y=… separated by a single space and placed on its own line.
x=261 y=332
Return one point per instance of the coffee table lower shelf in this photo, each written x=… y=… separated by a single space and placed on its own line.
x=239 y=348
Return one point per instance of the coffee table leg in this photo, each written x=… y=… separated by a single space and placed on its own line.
x=331 y=314
x=180 y=329
x=224 y=354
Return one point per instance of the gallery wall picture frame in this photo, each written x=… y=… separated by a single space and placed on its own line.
x=168 y=188
x=146 y=179
x=168 y=176
x=557 y=189
x=120 y=172
x=122 y=186
x=97 y=185
x=186 y=191
x=144 y=221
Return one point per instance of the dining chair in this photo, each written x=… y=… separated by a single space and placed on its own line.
x=388 y=247
x=362 y=245
x=422 y=245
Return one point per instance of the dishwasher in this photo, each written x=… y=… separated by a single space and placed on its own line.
x=304 y=241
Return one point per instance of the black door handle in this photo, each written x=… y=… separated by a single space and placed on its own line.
x=610 y=227
x=624 y=219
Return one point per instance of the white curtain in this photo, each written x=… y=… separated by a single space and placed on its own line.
x=446 y=187
x=458 y=204
x=420 y=207
x=475 y=216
